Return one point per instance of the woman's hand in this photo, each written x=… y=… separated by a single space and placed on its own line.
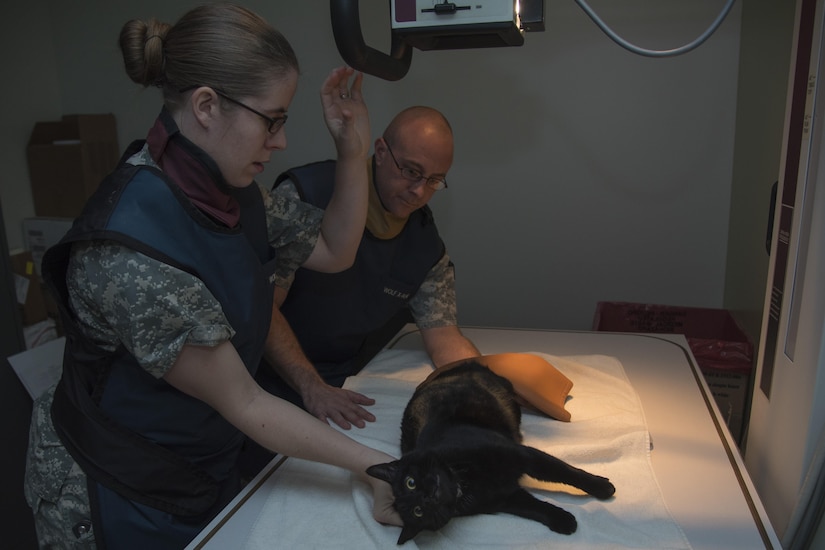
x=345 y=113
x=382 y=500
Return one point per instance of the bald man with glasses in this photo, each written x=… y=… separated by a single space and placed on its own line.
x=330 y=324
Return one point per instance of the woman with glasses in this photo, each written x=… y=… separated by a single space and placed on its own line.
x=164 y=284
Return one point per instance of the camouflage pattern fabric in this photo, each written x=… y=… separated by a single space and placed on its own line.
x=294 y=227
x=434 y=304
x=153 y=309
x=55 y=486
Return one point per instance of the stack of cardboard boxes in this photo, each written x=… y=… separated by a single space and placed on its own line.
x=67 y=160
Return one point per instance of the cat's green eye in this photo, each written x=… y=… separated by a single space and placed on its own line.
x=410 y=483
x=417 y=512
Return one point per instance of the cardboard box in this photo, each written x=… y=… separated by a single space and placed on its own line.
x=40 y=234
x=722 y=350
x=68 y=159
x=28 y=289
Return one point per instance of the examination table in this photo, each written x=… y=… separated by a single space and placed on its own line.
x=697 y=493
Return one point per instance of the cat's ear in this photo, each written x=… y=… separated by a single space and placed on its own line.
x=407 y=533
x=384 y=472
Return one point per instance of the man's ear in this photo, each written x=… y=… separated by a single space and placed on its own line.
x=205 y=105
x=380 y=150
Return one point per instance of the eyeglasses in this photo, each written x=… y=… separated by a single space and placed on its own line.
x=273 y=124
x=433 y=182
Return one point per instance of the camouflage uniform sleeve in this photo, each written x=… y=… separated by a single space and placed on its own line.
x=434 y=304
x=55 y=486
x=124 y=297
x=294 y=227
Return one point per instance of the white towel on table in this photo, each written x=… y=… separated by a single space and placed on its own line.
x=312 y=505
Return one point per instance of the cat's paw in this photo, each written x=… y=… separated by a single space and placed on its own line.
x=563 y=522
x=602 y=489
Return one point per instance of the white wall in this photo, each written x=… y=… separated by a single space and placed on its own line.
x=582 y=172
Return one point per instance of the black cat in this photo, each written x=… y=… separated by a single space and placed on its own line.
x=461 y=454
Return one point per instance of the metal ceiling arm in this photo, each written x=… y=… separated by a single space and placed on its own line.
x=346 y=27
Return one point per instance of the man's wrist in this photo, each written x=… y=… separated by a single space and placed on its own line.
x=306 y=378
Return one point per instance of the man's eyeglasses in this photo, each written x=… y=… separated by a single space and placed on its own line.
x=433 y=182
x=273 y=124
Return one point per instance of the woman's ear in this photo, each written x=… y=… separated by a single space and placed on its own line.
x=205 y=105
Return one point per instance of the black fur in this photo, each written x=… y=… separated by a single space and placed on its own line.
x=461 y=454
